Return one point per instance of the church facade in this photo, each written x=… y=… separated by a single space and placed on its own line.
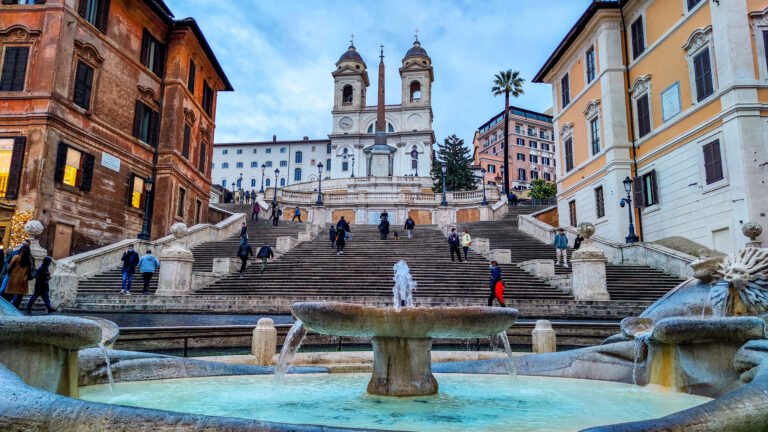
x=382 y=140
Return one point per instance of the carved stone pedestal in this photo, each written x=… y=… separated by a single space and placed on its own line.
x=402 y=367
x=264 y=343
x=589 y=281
x=176 y=265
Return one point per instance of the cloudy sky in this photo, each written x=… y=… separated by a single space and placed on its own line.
x=279 y=56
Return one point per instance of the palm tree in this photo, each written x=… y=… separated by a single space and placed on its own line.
x=507 y=83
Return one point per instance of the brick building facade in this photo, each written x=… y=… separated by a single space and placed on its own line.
x=96 y=98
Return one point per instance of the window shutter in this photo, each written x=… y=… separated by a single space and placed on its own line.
x=765 y=45
x=131 y=185
x=145 y=48
x=17 y=163
x=159 y=66
x=88 y=164
x=82 y=8
x=155 y=129
x=137 y=115
x=9 y=68
x=639 y=192
x=101 y=20
x=191 y=79
x=654 y=187
x=88 y=86
x=20 y=68
x=201 y=162
x=61 y=161
x=185 y=144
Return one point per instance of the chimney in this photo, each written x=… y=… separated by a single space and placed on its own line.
x=306 y=138
x=274 y=138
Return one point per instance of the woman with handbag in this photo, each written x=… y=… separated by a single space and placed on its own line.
x=466 y=242
x=20 y=272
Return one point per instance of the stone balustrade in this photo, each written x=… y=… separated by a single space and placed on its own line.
x=656 y=256
x=288 y=197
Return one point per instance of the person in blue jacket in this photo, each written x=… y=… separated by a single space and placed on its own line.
x=561 y=246
x=147 y=266
x=130 y=260
x=495 y=278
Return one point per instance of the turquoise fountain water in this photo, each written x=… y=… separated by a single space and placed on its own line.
x=465 y=402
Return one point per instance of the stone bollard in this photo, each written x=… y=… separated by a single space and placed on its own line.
x=481 y=246
x=264 y=344
x=176 y=265
x=543 y=337
x=588 y=279
x=64 y=283
x=225 y=266
x=502 y=256
x=284 y=244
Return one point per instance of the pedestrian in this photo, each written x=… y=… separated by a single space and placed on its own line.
x=147 y=266
x=130 y=260
x=496 y=285
x=453 y=243
x=384 y=215
x=340 y=241
x=383 y=228
x=561 y=247
x=265 y=254
x=332 y=233
x=42 y=278
x=577 y=242
x=247 y=197
x=255 y=212
x=513 y=199
x=6 y=261
x=20 y=272
x=243 y=231
x=395 y=235
x=243 y=252
x=466 y=242
x=276 y=212
x=296 y=214
x=410 y=224
x=342 y=225
x=237 y=197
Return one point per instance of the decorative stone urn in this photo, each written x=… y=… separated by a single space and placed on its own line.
x=33 y=229
x=176 y=265
x=589 y=281
x=752 y=230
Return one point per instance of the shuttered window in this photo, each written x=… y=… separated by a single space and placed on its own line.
x=599 y=202
x=11 y=164
x=649 y=189
x=185 y=144
x=95 y=12
x=14 y=68
x=202 y=160
x=565 y=90
x=152 y=54
x=568 y=154
x=638 y=38
x=572 y=212
x=191 y=77
x=590 y=60
x=83 y=85
x=702 y=69
x=594 y=129
x=643 y=116
x=181 y=202
x=74 y=168
x=713 y=162
x=146 y=124
x=207 y=99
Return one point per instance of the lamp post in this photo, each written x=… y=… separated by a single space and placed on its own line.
x=444 y=167
x=319 y=184
x=482 y=178
x=146 y=227
x=353 y=167
x=263 y=167
x=274 y=198
x=632 y=237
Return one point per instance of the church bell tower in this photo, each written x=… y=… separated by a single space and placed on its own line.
x=350 y=81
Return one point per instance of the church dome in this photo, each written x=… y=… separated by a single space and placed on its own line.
x=351 y=54
x=416 y=51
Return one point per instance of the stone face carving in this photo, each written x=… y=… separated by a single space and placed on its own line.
x=698 y=39
x=640 y=86
x=566 y=130
x=743 y=285
x=592 y=109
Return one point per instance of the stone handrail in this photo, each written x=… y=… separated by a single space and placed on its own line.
x=104 y=258
x=359 y=182
x=659 y=257
x=464 y=197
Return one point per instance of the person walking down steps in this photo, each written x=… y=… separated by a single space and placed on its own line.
x=561 y=247
x=42 y=278
x=243 y=252
x=147 y=266
x=496 y=285
x=296 y=214
x=453 y=243
x=265 y=254
x=255 y=212
x=466 y=242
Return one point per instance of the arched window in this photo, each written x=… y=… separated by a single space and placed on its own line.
x=297 y=174
x=282 y=181
x=240 y=183
x=328 y=165
x=346 y=98
x=299 y=156
x=268 y=182
x=370 y=128
x=253 y=183
x=224 y=182
x=390 y=128
x=373 y=125
x=415 y=91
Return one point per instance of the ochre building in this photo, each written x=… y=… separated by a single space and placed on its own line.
x=106 y=108
x=674 y=95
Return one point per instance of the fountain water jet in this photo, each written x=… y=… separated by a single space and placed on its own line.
x=108 y=365
x=404 y=285
x=291 y=345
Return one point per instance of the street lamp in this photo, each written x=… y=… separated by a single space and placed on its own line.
x=353 y=167
x=632 y=237
x=319 y=184
x=274 y=198
x=263 y=166
x=482 y=178
x=146 y=228
x=444 y=167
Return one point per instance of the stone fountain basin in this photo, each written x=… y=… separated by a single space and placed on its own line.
x=345 y=319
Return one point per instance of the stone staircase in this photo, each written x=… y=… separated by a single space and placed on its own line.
x=625 y=282
x=258 y=232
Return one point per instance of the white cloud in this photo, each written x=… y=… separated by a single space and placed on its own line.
x=279 y=56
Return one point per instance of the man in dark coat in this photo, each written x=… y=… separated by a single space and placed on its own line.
x=453 y=243
x=495 y=279
x=384 y=228
x=410 y=224
x=130 y=260
x=243 y=252
x=265 y=254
